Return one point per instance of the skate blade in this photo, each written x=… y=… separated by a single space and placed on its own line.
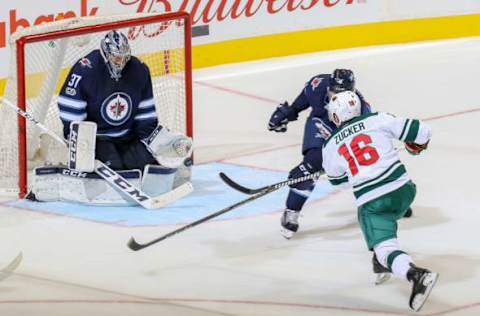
x=420 y=299
x=286 y=233
x=382 y=278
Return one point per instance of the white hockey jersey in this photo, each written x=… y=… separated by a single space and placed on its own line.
x=361 y=152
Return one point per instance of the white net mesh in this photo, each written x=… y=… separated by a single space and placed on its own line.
x=160 y=45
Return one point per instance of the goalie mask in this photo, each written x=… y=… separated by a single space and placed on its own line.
x=343 y=107
x=341 y=80
x=115 y=51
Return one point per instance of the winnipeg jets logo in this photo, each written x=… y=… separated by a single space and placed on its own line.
x=316 y=82
x=85 y=62
x=117 y=108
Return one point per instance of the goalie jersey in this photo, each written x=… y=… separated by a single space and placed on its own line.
x=123 y=108
x=361 y=152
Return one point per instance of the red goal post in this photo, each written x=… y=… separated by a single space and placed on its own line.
x=41 y=57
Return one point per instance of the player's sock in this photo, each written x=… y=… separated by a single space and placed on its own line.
x=399 y=262
x=392 y=258
x=297 y=198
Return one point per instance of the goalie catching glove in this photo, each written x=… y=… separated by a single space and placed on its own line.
x=170 y=149
x=415 y=149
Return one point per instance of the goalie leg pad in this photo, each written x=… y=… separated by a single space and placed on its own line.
x=169 y=149
x=56 y=183
x=81 y=146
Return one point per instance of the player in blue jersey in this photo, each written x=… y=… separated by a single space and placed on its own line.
x=112 y=88
x=315 y=95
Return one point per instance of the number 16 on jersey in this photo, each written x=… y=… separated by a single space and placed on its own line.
x=358 y=153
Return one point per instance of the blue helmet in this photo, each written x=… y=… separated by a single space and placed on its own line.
x=341 y=80
x=115 y=51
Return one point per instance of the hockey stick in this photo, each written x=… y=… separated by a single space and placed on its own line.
x=8 y=270
x=236 y=186
x=111 y=176
x=278 y=185
x=148 y=202
x=134 y=245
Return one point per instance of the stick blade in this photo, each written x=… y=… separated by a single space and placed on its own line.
x=8 y=270
x=237 y=186
x=134 y=245
x=171 y=196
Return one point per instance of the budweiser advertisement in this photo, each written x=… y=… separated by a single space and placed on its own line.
x=228 y=19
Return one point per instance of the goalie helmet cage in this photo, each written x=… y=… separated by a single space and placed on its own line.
x=42 y=56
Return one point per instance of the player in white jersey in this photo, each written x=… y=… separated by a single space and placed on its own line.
x=361 y=152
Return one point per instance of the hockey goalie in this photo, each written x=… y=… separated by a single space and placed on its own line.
x=108 y=112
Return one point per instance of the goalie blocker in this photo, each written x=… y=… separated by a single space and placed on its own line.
x=81 y=146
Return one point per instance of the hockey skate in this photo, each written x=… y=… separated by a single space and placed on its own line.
x=382 y=274
x=289 y=222
x=423 y=282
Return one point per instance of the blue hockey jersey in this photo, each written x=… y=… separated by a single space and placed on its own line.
x=123 y=108
x=315 y=95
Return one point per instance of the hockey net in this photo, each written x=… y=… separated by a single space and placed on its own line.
x=41 y=57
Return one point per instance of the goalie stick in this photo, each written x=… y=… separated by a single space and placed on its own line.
x=278 y=185
x=8 y=270
x=111 y=176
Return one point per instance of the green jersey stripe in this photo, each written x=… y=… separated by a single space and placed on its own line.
x=368 y=182
x=337 y=177
x=413 y=131
x=397 y=173
x=337 y=181
x=405 y=128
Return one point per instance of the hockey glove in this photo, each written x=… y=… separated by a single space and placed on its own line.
x=415 y=149
x=280 y=118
